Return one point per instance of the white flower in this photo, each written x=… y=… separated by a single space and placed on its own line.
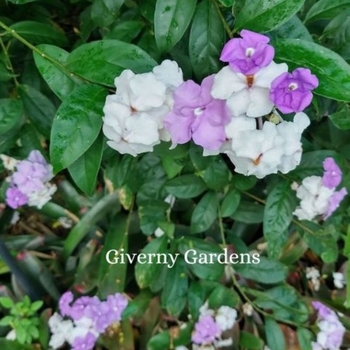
x=225 y=317
x=222 y=343
x=314 y=275
x=133 y=116
x=269 y=150
x=40 y=198
x=65 y=222
x=158 y=232
x=247 y=94
x=339 y=280
x=204 y=310
x=60 y=329
x=15 y=218
x=11 y=335
x=247 y=309
x=314 y=198
x=181 y=347
x=9 y=162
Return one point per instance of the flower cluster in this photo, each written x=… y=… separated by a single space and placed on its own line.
x=210 y=325
x=86 y=318
x=29 y=184
x=331 y=332
x=220 y=113
x=318 y=195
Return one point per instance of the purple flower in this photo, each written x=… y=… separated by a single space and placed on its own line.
x=15 y=198
x=249 y=54
x=196 y=114
x=116 y=304
x=291 y=92
x=64 y=303
x=332 y=174
x=334 y=202
x=85 y=307
x=84 y=343
x=205 y=330
x=323 y=310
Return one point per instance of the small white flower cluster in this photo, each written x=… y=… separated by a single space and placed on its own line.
x=133 y=116
x=313 y=275
x=339 y=280
x=67 y=330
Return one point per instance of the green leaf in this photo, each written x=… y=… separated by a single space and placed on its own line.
x=216 y=174
x=13 y=345
x=250 y=341
x=125 y=31
x=227 y=3
x=266 y=15
x=292 y=29
x=199 y=257
x=171 y=19
x=6 y=302
x=243 y=183
x=326 y=9
x=40 y=33
x=105 y=12
x=7 y=320
x=112 y=277
x=222 y=295
x=76 y=125
x=85 y=169
x=185 y=186
x=36 y=306
x=11 y=111
x=206 y=40
x=341 y=119
x=305 y=338
x=274 y=335
x=266 y=271
x=332 y=70
x=278 y=214
x=39 y=109
x=58 y=79
x=146 y=272
x=205 y=212
x=230 y=203
x=249 y=213
x=174 y=295
x=102 y=61
x=21 y=2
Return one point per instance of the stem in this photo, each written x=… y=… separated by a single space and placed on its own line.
x=9 y=65
x=41 y=53
x=226 y=26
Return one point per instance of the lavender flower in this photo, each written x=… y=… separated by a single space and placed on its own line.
x=84 y=343
x=29 y=184
x=331 y=329
x=116 y=304
x=15 y=198
x=206 y=330
x=196 y=114
x=334 y=202
x=64 y=303
x=247 y=55
x=291 y=92
x=332 y=174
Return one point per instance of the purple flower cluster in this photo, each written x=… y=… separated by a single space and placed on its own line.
x=29 y=184
x=331 y=330
x=206 y=331
x=197 y=115
x=91 y=317
x=332 y=177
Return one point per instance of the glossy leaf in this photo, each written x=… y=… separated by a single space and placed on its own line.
x=326 y=9
x=171 y=19
x=146 y=272
x=125 y=31
x=105 y=12
x=39 y=108
x=206 y=39
x=230 y=203
x=40 y=33
x=85 y=169
x=11 y=111
x=294 y=28
x=278 y=214
x=250 y=341
x=266 y=271
x=76 y=125
x=58 y=79
x=204 y=213
x=174 y=295
x=341 y=119
x=102 y=61
x=266 y=15
x=304 y=338
x=249 y=213
x=274 y=335
x=332 y=71
x=185 y=186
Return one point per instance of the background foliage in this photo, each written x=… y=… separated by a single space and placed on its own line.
x=58 y=61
